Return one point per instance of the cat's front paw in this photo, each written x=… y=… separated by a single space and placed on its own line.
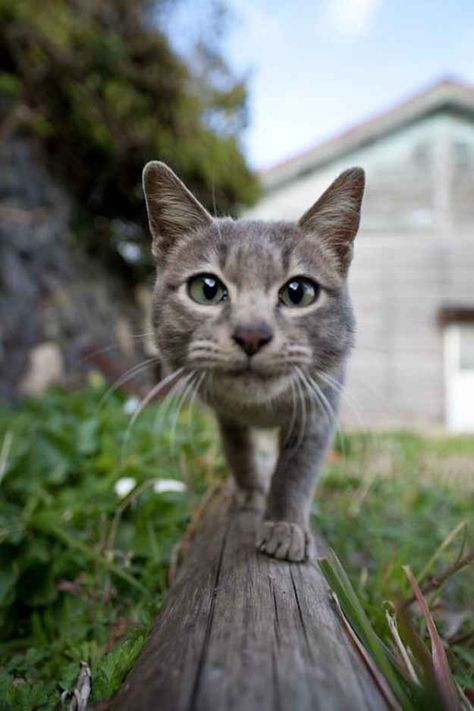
x=283 y=540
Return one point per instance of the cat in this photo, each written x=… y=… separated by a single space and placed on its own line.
x=257 y=315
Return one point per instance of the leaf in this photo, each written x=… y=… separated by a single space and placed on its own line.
x=44 y=525
x=444 y=544
x=8 y=578
x=377 y=675
x=87 y=436
x=341 y=585
x=441 y=669
x=114 y=666
x=402 y=649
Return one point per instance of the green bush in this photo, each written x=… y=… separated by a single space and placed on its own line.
x=78 y=569
x=102 y=87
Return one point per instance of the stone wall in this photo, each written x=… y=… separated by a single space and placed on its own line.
x=56 y=302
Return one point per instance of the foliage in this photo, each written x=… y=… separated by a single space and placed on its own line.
x=395 y=500
x=99 y=82
x=83 y=569
x=79 y=565
x=401 y=664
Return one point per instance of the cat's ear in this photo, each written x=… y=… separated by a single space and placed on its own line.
x=172 y=209
x=335 y=217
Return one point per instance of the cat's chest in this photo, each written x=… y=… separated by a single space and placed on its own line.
x=265 y=416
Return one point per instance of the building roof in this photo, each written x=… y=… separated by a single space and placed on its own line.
x=446 y=94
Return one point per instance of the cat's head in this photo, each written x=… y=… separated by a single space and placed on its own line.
x=251 y=302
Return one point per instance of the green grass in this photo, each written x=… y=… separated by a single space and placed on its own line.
x=392 y=501
x=69 y=586
x=83 y=571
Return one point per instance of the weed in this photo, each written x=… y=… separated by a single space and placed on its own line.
x=86 y=535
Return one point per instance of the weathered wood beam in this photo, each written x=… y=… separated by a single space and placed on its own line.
x=245 y=632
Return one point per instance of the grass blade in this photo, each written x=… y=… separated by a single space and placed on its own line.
x=90 y=553
x=449 y=538
x=341 y=585
x=379 y=678
x=441 y=669
x=402 y=650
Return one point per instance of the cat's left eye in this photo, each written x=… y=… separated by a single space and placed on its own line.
x=207 y=289
x=299 y=292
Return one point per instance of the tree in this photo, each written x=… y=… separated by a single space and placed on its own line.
x=99 y=82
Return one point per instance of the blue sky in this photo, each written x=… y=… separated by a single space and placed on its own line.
x=317 y=67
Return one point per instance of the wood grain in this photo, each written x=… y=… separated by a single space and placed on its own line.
x=244 y=632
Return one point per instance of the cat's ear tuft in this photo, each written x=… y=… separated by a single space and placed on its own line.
x=172 y=209
x=335 y=217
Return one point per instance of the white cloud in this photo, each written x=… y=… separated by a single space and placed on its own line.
x=351 y=17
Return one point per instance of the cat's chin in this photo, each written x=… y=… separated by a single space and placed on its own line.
x=250 y=387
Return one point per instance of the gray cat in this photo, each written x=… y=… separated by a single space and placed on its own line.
x=257 y=316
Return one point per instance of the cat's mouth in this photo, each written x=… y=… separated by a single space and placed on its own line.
x=253 y=375
x=250 y=371
x=248 y=383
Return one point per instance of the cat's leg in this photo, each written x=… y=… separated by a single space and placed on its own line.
x=285 y=531
x=239 y=450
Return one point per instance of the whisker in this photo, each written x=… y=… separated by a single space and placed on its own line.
x=194 y=394
x=370 y=436
x=317 y=393
x=327 y=409
x=302 y=401
x=205 y=345
x=329 y=379
x=188 y=384
x=313 y=396
x=128 y=375
x=113 y=346
x=317 y=399
x=337 y=423
x=195 y=352
x=209 y=381
x=334 y=417
x=296 y=350
x=338 y=387
x=286 y=361
x=204 y=359
x=293 y=411
x=147 y=399
x=166 y=407
x=190 y=405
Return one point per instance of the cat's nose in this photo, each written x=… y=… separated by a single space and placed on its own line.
x=253 y=337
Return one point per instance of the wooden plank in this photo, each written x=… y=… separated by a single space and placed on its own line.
x=244 y=632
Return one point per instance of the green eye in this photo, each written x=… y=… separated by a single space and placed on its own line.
x=207 y=289
x=299 y=292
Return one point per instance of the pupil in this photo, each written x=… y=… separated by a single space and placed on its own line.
x=209 y=288
x=296 y=291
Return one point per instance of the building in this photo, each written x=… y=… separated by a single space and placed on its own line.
x=412 y=277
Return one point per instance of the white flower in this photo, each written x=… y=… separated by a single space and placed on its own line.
x=162 y=485
x=131 y=405
x=124 y=486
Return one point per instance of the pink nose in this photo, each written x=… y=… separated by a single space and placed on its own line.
x=252 y=338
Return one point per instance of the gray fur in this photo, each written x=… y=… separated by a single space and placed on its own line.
x=293 y=383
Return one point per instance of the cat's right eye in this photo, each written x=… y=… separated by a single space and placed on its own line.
x=207 y=290
x=299 y=292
